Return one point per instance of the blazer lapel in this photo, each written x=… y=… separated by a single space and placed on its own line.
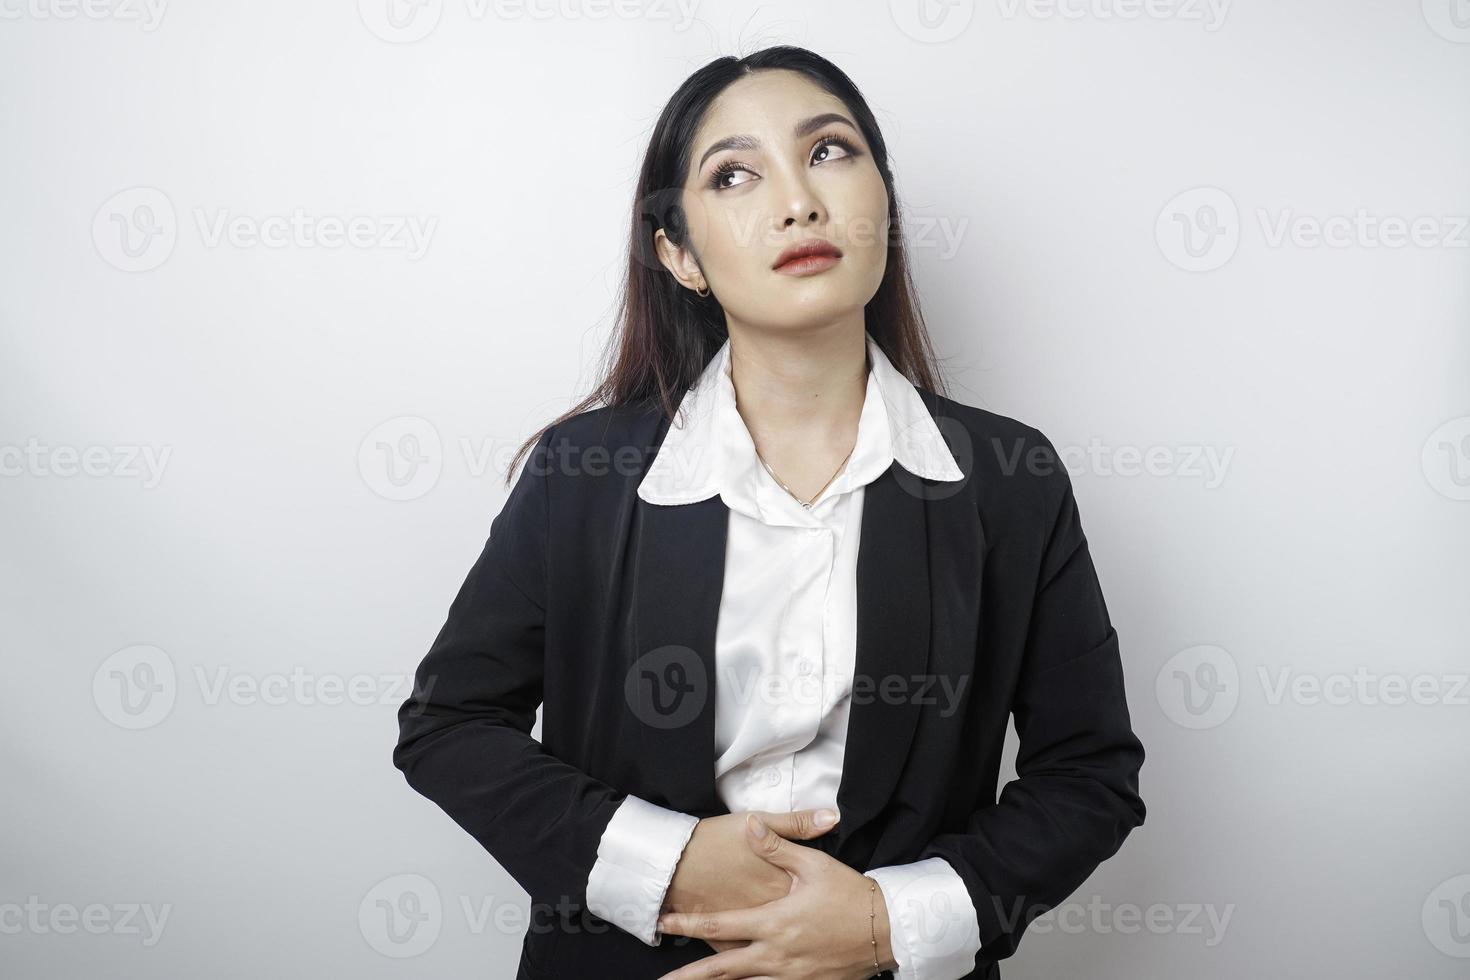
x=893 y=630
x=679 y=572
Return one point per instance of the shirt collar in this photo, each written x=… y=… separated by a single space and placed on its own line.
x=712 y=452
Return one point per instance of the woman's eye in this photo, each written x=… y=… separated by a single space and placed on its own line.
x=718 y=179
x=824 y=150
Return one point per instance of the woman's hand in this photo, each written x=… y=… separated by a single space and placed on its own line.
x=718 y=870
x=819 y=930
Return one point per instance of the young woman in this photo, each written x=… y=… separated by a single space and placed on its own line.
x=819 y=594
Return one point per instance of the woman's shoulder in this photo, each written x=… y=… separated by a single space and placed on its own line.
x=1007 y=459
x=598 y=454
x=609 y=428
x=979 y=421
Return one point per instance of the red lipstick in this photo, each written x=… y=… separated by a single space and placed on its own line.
x=808 y=257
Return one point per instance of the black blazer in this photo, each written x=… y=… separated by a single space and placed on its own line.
x=601 y=609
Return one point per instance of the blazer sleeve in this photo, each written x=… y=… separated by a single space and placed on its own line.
x=464 y=737
x=1075 y=795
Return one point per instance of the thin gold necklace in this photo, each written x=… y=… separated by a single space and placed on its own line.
x=806 y=503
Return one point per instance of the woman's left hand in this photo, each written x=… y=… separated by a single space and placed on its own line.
x=820 y=930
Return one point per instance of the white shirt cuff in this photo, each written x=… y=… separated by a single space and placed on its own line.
x=635 y=862
x=933 y=928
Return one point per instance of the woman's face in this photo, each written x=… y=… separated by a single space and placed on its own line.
x=779 y=161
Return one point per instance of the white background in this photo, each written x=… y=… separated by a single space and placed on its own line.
x=1049 y=159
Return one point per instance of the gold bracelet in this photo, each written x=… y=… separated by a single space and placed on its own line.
x=872 y=910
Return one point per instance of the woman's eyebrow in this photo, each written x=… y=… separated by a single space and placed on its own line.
x=803 y=128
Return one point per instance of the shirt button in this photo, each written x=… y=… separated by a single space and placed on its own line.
x=772 y=777
x=803 y=666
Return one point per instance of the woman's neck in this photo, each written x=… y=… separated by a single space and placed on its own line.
x=800 y=396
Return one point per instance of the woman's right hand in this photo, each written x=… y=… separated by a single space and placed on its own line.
x=719 y=871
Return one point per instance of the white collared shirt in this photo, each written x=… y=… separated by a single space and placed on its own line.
x=785 y=649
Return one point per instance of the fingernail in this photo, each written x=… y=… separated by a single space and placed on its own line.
x=756 y=826
x=825 y=817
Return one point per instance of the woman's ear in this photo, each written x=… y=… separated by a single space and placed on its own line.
x=679 y=261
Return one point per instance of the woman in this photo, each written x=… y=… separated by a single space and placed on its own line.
x=820 y=594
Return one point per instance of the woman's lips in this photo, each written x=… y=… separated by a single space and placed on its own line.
x=808 y=265
x=808 y=257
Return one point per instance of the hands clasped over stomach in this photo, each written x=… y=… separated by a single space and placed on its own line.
x=790 y=912
x=719 y=871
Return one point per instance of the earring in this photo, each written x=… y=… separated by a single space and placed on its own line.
x=703 y=292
